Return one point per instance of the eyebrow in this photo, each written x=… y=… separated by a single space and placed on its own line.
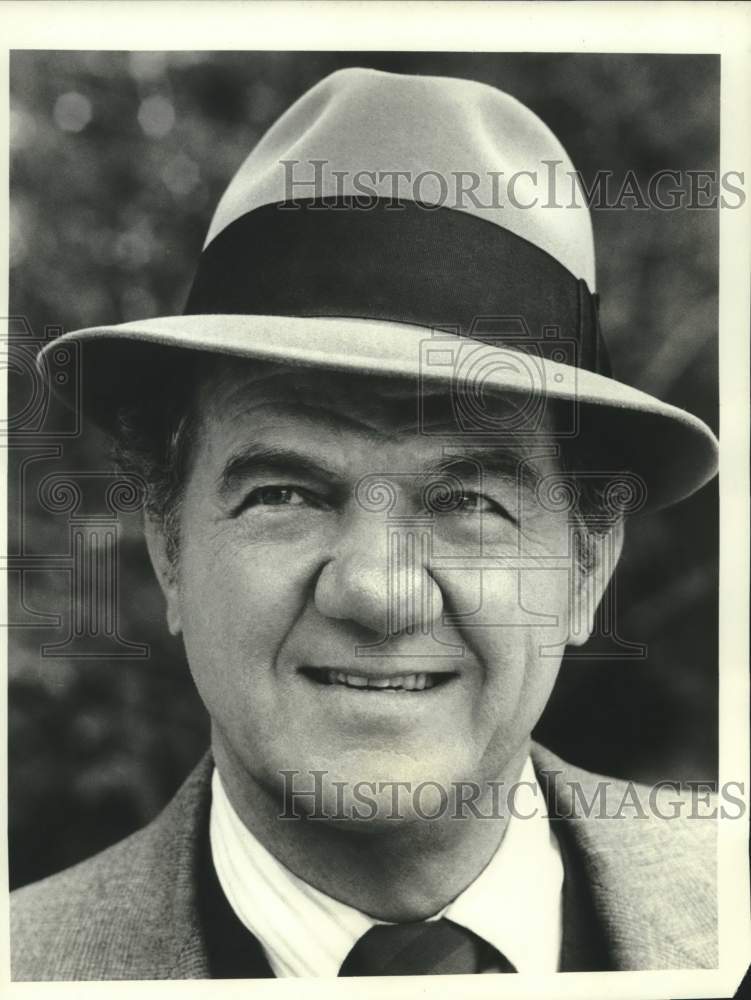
x=254 y=457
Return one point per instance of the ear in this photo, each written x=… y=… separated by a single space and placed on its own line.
x=590 y=583
x=165 y=570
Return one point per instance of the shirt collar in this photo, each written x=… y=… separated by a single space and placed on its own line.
x=513 y=904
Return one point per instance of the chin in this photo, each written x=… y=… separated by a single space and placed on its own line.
x=363 y=790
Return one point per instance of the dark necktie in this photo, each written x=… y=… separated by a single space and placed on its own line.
x=435 y=948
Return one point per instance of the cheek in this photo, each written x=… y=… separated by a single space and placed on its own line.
x=237 y=605
x=514 y=624
x=508 y=605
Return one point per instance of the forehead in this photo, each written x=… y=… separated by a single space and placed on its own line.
x=237 y=393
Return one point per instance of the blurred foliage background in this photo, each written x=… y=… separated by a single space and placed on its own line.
x=118 y=159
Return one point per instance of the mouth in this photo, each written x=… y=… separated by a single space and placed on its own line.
x=407 y=683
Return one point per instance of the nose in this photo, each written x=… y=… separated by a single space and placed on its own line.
x=379 y=577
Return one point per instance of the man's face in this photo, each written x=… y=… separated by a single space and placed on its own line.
x=337 y=618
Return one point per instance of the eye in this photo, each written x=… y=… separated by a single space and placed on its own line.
x=469 y=502
x=277 y=496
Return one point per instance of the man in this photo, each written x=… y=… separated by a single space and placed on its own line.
x=386 y=471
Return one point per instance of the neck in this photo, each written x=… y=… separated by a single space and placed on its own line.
x=402 y=870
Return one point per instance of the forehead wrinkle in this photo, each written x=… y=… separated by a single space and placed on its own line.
x=514 y=457
x=368 y=414
x=379 y=403
x=321 y=414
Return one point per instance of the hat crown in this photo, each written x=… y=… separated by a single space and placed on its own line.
x=457 y=143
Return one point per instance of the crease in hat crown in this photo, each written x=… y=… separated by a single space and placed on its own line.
x=367 y=120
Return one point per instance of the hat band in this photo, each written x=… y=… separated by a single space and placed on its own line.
x=400 y=262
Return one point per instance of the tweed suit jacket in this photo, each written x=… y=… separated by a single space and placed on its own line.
x=131 y=912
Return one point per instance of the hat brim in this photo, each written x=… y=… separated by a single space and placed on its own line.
x=672 y=451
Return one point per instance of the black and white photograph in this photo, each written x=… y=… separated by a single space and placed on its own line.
x=377 y=498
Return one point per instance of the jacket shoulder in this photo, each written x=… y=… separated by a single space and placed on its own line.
x=650 y=857
x=126 y=913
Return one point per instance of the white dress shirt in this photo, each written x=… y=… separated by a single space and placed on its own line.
x=514 y=903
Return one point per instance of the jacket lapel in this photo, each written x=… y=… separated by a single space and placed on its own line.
x=649 y=881
x=206 y=940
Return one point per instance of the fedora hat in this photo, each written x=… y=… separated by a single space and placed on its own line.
x=397 y=225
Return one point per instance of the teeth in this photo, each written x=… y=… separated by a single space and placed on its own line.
x=354 y=680
x=405 y=682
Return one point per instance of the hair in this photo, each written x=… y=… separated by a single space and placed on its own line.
x=155 y=438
